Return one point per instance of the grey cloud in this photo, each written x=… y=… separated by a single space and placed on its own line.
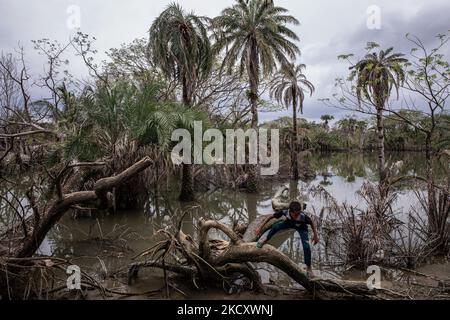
x=426 y=24
x=428 y=21
x=328 y=28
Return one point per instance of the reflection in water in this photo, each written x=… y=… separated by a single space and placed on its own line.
x=116 y=238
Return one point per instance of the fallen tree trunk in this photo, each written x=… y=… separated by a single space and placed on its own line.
x=212 y=261
x=15 y=243
x=248 y=252
x=19 y=243
x=239 y=251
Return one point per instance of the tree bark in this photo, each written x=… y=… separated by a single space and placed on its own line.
x=253 y=74
x=253 y=174
x=187 y=184
x=294 y=147
x=381 y=153
x=187 y=180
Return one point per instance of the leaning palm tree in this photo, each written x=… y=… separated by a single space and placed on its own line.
x=289 y=88
x=376 y=76
x=180 y=47
x=254 y=37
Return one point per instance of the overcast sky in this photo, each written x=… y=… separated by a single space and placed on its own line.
x=328 y=28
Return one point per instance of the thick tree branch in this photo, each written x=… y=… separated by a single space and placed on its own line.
x=28 y=245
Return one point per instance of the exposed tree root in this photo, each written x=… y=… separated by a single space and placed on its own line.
x=212 y=261
x=215 y=262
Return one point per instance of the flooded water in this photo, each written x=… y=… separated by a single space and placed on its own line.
x=106 y=242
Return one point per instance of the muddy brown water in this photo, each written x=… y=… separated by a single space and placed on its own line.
x=105 y=243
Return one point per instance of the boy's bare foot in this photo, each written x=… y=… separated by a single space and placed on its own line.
x=310 y=273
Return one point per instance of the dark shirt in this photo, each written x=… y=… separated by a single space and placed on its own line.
x=301 y=222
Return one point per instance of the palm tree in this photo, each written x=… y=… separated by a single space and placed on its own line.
x=376 y=76
x=123 y=111
x=289 y=89
x=255 y=38
x=348 y=126
x=122 y=122
x=326 y=118
x=181 y=48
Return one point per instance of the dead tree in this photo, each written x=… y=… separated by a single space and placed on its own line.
x=22 y=241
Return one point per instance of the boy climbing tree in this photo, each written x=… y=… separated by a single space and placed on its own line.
x=297 y=219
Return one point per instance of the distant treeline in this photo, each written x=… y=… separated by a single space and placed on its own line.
x=351 y=133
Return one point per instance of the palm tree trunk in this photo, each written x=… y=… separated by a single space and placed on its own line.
x=187 y=184
x=294 y=147
x=252 y=181
x=187 y=180
x=381 y=155
x=253 y=175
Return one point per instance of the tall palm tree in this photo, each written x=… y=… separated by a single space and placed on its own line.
x=289 y=88
x=255 y=38
x=376 y=76
x=181 y=48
